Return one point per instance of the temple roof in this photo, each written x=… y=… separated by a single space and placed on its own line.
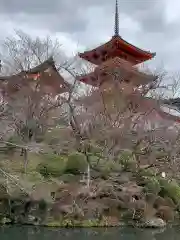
x=117 y=68
x=46 y=73
x=117 y=47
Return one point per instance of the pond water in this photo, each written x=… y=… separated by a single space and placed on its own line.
x=36 y=233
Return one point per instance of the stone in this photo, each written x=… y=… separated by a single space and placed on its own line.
x=166 y=213
x=159 y=201
x=154 y=222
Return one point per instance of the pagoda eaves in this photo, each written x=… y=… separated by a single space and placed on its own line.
x=117 y=47
x=126 y=73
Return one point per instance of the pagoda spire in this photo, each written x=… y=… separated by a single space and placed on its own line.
x=116 y=22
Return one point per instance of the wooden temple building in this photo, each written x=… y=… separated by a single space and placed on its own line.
x=116 y=70
x=45 y=76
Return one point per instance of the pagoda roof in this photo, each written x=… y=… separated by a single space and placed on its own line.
x=117 y=47
x=121 y=69
x=46 y=72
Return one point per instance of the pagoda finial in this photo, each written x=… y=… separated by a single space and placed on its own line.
x=116 y=23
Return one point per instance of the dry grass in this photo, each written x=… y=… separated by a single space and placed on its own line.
x=15 y=164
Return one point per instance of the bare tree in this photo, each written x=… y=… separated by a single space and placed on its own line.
x=126 y=115
x=32 y=86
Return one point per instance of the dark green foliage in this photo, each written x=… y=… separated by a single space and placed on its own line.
x=109 y=167
x=151 y=185
x=127 y=160
x=170 y=189
x=54 y=166
x=146 y=173
x=76 y=163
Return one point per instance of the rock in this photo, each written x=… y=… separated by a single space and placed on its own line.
x=166 y=213
x=159 y=202
x=31 y=220
x=5 y=220
x=154 y=222
x=169 y=202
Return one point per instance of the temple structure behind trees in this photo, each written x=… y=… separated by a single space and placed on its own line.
x=116 y=71
x=44 y=76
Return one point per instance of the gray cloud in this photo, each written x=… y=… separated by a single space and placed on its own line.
x=70 y=15
x=91 y=22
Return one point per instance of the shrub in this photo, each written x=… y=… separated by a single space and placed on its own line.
x=94 y=160
x=170 y=189
x=152 y=185
x=146 y=173
x=111 y=166
x=76 y=163
x=32 y=177
x=95 y=150
x=54 y=157
x=53 y=166
x=127 y=160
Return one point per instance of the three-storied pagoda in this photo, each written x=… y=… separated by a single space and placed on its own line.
x=117 y=47
x=117 y=60
x=116 y=53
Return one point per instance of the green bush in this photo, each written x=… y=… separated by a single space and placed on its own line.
x=94 y=160
x=95 y=150
x=127 y=160
x=152 y=185
x=109 y=167
x=33 y=176
x=54 y=157
x=170 y=189
x=146 y=173
x=53 y=165
x=76 y=163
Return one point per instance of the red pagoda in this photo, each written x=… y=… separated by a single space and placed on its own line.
x=117 y=48
x=117 y=59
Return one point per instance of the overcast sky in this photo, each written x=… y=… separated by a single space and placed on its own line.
x=153 y=25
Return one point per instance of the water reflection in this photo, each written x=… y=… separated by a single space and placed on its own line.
x=35 y=233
